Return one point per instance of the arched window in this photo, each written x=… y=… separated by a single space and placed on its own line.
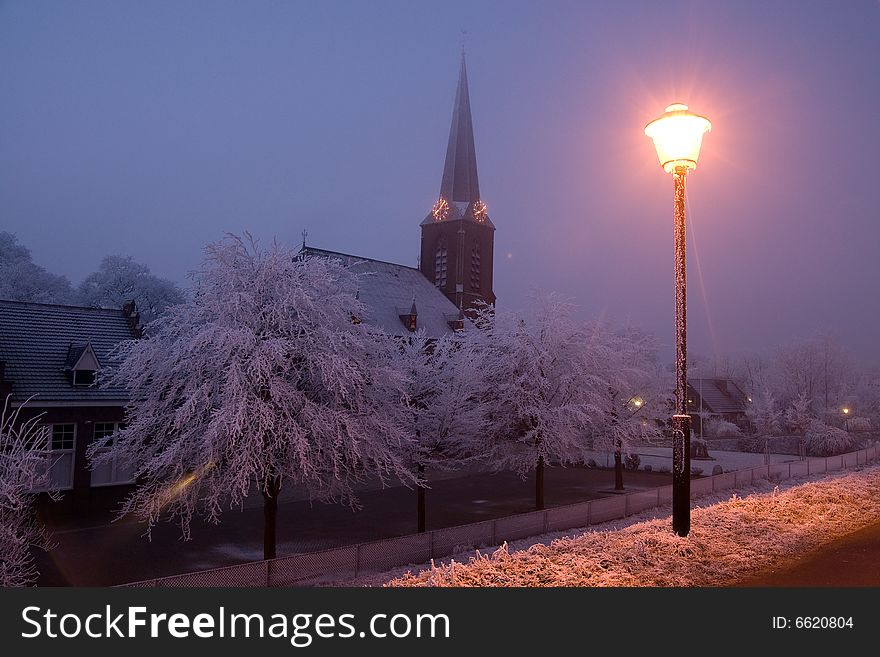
x=441 y=259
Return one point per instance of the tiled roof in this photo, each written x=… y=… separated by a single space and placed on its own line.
x=719 y=395
x=37 y=340
x=389 y=291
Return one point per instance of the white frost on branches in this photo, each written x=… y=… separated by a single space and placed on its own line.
x=120 y=278
x=536 y=383
x=22 y=470
x=261 y=378
x=443 y=407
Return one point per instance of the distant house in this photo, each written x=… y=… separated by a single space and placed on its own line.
x=52 y=357
x=716 y=397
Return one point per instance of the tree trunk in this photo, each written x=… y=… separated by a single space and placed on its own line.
x=270 y=517
x=618 y=470
x=539 y=484
x=420 y=501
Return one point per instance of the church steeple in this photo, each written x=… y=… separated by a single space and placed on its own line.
x=457 y=235
x=460 y=181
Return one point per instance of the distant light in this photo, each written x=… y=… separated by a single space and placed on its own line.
x=678 y=135
x=509 y=255
x=750 y=399
x=846 y=411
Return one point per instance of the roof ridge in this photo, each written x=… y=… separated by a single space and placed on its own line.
x=357 y=257
x=60 y=305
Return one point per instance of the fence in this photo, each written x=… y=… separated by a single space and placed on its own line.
x=348 y=562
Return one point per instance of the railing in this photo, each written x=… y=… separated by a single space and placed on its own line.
x=349 y=562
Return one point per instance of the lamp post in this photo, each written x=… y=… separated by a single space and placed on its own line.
x=846 y=418
x=677 y=136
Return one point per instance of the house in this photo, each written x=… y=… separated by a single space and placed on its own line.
x=716 y=397
x=51 y=361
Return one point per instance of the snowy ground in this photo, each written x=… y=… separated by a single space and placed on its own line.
x=658 y=457
x=732 y=537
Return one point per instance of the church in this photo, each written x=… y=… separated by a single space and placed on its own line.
x=455 y=264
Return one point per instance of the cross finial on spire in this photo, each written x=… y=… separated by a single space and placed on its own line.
x=463 y=42
x=305 y=234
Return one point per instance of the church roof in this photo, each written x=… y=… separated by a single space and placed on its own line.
x=389 y=291
x=460 y=181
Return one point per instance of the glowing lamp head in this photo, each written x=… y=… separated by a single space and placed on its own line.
x=678 y=135
x=845 y=411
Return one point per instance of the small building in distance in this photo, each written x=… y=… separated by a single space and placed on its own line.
x=716 y=397
x=51 y=360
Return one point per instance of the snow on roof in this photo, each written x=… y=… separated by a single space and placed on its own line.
x=389 y=290
x=38 y=341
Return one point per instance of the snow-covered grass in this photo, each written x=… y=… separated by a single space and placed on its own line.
x=729 y=540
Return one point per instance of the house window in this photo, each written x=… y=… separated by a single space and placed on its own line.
x=441 y=258
x=59 y=456
x=114 y=472
x=84 y=377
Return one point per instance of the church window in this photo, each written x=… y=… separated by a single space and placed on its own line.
x=475 y=267
x=441 y=260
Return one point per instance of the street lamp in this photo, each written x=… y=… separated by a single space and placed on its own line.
x=677 y=137
x=846 y=418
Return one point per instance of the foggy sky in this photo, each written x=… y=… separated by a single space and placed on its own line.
x=150 y=128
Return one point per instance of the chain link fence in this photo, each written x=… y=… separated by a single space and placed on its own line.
x=377 y=556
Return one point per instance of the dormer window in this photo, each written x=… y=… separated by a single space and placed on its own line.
x=410 y=319
x=84 y=377
x=82 y=364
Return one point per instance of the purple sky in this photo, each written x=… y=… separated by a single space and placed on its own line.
x=149 y=128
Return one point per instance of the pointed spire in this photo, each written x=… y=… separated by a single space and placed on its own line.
x=460 y=172
x=412 y=310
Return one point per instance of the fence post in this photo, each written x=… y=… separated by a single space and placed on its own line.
x=546 y=522
x=431 y=544
x=357 y=559
x=494 y=537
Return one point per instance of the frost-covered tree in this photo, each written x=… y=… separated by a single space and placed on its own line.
x=260 y=380
x=536 y=383
x=120 y=278
x=443 y=407
x=818 y=369
x=764 y=413
x=798 y=416
x=23 y=280
x=22 y=470
x=626 y=389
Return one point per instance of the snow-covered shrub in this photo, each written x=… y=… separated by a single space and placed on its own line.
x=632 y=462
x=823 y=440
x=695 y=471
x=718 y=427
x=648 y=468
x=860 y=424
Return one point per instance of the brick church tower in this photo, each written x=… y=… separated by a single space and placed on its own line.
x=457 y=235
